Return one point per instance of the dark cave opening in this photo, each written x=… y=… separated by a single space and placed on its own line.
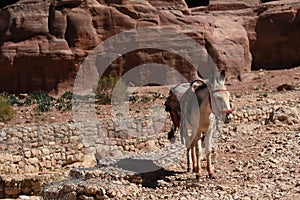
x=265 y=1
x=196 y=3
x=4 y=3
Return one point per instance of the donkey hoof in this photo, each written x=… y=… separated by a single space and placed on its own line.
x=189 y=170
x=211 y=176
x=195 y=170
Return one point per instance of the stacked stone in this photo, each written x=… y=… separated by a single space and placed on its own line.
x=34 y=149
x=13 y=186
x=51 y=147
x=262 y=114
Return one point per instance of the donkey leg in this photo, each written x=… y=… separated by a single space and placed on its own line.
x=198 y=159
x=194 y=158
x=208 y=149
x=209 y=165
x=189 y=158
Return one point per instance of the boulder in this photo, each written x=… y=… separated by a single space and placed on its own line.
x=285 y=114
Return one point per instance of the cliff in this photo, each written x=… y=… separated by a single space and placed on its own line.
x=43 y=43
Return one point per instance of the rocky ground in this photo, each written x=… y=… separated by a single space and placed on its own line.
x=255 y=157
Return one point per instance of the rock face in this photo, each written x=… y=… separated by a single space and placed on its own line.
x=43 y=43
x=277 y=44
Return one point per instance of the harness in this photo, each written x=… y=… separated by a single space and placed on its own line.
x=228 y=111
x=174 y=109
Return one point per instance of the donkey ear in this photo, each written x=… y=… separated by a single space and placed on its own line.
x=212 y=77
x=222 y=75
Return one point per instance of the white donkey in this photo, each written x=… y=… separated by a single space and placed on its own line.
x=193 y=108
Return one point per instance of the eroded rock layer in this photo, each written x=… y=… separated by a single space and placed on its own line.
x=43 y=43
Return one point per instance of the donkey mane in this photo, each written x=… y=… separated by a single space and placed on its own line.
x=198 y=89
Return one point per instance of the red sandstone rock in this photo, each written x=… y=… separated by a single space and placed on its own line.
x=277 y=42
x=43 y=44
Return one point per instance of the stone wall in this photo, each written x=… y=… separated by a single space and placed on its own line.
x=34 y=156
x=34 y=149
x=14 y=186
x=53 y=147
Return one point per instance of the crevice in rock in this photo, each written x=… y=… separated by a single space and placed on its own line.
x=113 y=1
x=196 y=3
x=57 y=22
x=4 y=3
x=60 y=5
x=70 y=35
x=265 y=1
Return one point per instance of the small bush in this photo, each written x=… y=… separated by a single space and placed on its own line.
x=120 y=93
x=265 y=95
x=145 y=99
x=11 y=98
x=41 y=98
x=133 y=98
x=67 y=96
x=44 y=106
x=27 y=101
x=158 y=96
x=64 y=103
x=106 y=87
x=6 y=111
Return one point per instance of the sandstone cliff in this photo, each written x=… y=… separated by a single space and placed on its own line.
x=43 y=43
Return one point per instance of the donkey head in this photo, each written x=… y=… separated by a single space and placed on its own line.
x=219 y=97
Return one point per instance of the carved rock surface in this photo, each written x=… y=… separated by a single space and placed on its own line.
x=277 y=44
x=43 y=43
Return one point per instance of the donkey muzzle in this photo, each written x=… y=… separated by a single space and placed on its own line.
x=228 y=116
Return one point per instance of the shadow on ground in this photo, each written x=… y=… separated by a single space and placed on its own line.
x=147 y=172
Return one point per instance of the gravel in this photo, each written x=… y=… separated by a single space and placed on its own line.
x=256 y=157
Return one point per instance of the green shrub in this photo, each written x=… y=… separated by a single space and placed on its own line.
x=106 y=87
x=67 y=96
x=120 y=93
x=6 y=111
x=64 y=103
x=11 y=98
x=44 y=106
x=158 y=96
x=41 y=98
x=145 y=99
x=133 y=98
x=27 y=101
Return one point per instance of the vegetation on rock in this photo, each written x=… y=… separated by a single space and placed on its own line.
x=6 y=110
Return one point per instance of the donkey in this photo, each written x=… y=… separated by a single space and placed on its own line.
x=194 y=109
